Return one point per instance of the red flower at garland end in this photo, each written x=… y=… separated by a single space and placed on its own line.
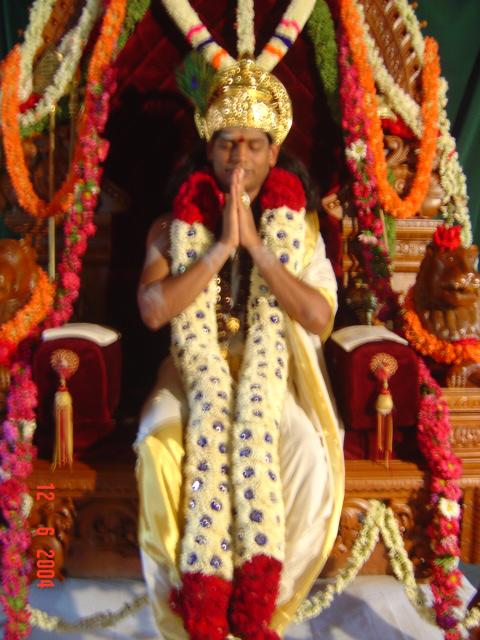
x=447 y=238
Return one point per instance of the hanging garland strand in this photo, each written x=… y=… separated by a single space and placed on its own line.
x=16 y=459
x=321 y=31
x=15 y=446
x=25 y=321
x=369 y=243
x=390 y=200
x=434 y=432
x=135 y=12
x=197 y=34
x=430 y=345
x=14 y=153
x=379 y=519
x=452 y=178
x=70 y=51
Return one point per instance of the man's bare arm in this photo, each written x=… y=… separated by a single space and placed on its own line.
x=162 y=296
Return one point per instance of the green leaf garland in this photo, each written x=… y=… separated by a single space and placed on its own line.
x=321 y=31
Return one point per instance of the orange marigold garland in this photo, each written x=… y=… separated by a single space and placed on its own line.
x=429 y=345
x=14 y=155
x=10 y=123
x=390 y=200
x=27 y=319
x=106 y=44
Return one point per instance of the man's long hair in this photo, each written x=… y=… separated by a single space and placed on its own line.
x=197 y=160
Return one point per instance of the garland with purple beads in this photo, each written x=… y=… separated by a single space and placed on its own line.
x=233 y=543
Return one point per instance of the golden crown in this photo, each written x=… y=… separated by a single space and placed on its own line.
x=245 y=95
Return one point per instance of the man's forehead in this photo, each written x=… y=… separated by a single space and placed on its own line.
x=242 y=133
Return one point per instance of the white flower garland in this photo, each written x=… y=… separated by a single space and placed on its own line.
x=291 y=24
x=410 y=19
x=249 y=440
x=189 y=23
x=472 y=619
x=39 y=16
x=381 y=519
x=46 y=622
x=289 y=28
x=452 y=178
x=361 y=550
x=70 y=50
x=245 y=28
x=398 y=100
x=402 y=565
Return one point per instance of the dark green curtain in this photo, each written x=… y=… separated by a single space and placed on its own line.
x=456 y=26
x=454 y=23
x=13 y=18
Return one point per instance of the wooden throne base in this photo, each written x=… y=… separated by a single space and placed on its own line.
x=94 y=514
x=93 y=507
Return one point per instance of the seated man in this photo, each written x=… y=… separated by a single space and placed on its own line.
x=240 y=466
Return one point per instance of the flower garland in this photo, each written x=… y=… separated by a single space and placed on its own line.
x=452 y=178
x=135 y=11
x=18 y=171
x=378 y=519
x=39 y=16
x=434 y=433
x=288 y=30
x=27 y=319
x=197 y=34
x=212 y=596
x=370 y=246
x=44 y=621
x=429 y=345
x=14 y=154
x=78 y=226
x=396 y=206
x=245 y=28
x=398 y=99
x=321 y=31
x=411 y=21
x=70 y=50
x=16 y=459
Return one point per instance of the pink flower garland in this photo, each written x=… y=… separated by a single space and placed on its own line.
x=78 y=225
x=434 y=428
x=371 y=251
x=434 y=433
x=16 y=451
x=16 y=458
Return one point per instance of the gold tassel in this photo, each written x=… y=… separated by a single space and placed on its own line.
x=389 y=438
x=65 y=363
x=379 y=433
x=383 y=367
x=63 y=451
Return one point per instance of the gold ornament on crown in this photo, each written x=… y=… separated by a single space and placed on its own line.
x=245 y=95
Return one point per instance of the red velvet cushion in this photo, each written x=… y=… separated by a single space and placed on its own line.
x=356 y=388
x=95 y=390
